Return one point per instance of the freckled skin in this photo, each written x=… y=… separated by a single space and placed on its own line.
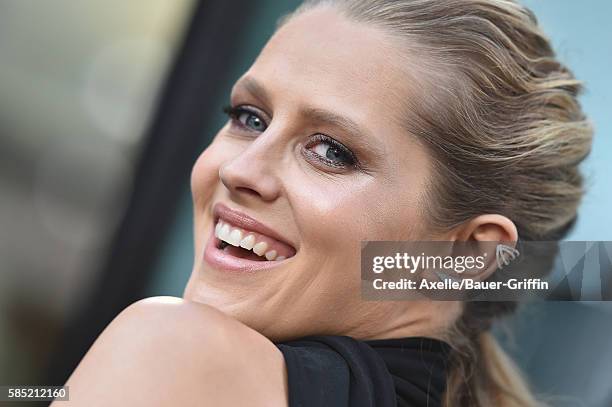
x=323 y=212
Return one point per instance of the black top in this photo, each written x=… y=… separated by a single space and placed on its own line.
x=345 y=372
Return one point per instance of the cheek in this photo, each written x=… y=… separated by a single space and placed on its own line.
x=342 y=215
x=205 y=175
x=204 y=183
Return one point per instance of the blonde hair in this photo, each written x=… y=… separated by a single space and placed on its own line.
x=500 y=116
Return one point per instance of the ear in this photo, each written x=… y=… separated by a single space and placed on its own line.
x=486 y=231
x=486 y=228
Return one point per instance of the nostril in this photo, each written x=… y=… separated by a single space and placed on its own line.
x=247 y=191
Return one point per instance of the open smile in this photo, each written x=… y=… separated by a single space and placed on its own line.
x=241 y=243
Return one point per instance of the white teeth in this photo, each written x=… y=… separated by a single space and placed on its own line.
x=235 y=237
x=224 y=232
x=260 y=248
x=248 y=242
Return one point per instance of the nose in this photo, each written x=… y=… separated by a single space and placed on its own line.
x=252 y=171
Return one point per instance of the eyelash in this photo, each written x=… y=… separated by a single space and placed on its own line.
x=322 y=138
x=234 y=113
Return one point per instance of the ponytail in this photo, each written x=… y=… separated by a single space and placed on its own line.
x=481 y=373
x=507 y=385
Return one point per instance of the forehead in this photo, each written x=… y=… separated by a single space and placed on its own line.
x=331 y=62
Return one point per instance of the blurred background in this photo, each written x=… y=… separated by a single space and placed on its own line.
x=104 y=107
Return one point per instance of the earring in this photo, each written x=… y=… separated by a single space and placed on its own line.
x=505 y=254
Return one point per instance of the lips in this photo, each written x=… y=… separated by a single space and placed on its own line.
x=239 y=242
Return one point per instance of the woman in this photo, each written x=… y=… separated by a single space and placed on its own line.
x=360 y=120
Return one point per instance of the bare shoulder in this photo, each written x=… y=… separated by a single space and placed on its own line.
x=167 y=351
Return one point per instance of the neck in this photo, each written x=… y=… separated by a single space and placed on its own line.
x=387 y=320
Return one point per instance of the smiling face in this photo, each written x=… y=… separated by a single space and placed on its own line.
x=313 y=160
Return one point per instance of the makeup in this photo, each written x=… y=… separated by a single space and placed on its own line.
x=239 y=242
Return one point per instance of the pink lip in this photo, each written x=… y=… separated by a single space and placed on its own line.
x=244 y=221
x=221 y=260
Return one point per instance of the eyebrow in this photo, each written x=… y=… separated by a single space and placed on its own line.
x=359 y=137
x=254 y=88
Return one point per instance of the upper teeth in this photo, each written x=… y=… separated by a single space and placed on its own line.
x=237 y=237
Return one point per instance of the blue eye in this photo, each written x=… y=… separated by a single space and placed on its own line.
x=331 y=152
x=252 y=121
x=246 y=118
x=320 y=147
